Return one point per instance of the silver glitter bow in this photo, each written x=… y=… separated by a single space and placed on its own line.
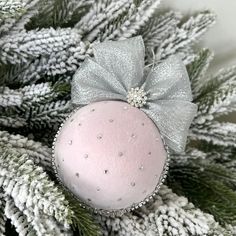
x=116 y=73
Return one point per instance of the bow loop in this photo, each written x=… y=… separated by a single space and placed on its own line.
x=117 y=74
x=169 y=80
x=124 y=59
x=93 y=83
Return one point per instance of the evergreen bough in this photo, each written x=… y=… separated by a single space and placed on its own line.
x=42 y=44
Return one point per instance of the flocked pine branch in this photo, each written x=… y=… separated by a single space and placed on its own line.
x=210 y=186
x=197 y=70
x=15 y=173
x=159 y=28
x=58 y=63
x=67 y=56
x=59 y=13
x=145 y=10
x=38 y=153
x=3 y=218
x=14 y=24
x=184 y=35
x=203 y=174
x=22 y=107
x=231 y=162
x=33 y=94
x=101 y=17
x=52 y=66
x=37 y=64
x=217 y=96
x=168 y=215
x=13 y=122
x=216 y=154
x=27 y=223
x=10 y=97
x=37 y=117
x=219 y=133
x=22 y=47
x=10 y=8
x=36 y=197
x=18 y=219
x=49 y=115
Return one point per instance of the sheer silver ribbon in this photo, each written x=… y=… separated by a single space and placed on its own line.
x=119 y=66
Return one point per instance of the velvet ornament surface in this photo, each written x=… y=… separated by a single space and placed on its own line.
x=110 y=155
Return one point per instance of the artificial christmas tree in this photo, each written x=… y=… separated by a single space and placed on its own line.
x=42 y=44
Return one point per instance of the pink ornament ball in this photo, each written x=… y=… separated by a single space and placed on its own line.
x=110 y=155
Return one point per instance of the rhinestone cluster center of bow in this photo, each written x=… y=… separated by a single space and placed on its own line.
x=137 y=97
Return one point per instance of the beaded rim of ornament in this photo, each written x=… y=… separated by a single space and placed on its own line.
x=111 y=212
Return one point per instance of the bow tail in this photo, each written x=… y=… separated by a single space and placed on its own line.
x=173 y=119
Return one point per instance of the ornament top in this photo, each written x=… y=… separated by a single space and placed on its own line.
x=117 y=73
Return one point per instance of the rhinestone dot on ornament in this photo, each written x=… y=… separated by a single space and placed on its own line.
x=120 y=212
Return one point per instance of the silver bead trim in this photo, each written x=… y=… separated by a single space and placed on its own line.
x=112 y=212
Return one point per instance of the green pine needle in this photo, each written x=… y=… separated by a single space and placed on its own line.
x=197 y=69
x=199 y=66
x=82 y=221
x=208 y=186
x=11 y=9
x=2 y=216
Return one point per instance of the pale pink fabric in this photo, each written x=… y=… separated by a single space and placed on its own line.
x=112 y=137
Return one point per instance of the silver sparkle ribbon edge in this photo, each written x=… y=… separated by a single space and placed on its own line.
x=118 y=68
